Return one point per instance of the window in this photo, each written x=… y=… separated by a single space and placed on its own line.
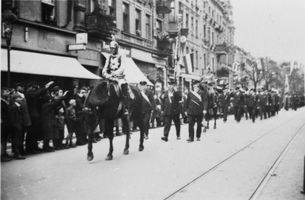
x=209 y=34
x=159 y=26
x=205 y=61
x=196 y=28
x=213 y=64
x=138 y=22
x=48 y=11
x=213 y=38
x=126 y=17
x=148 y=27
x=192 y=25
x=112 y=10
x=91 y=6
x=192 y=59
x=204 y=32
x=180 y=7
x=186 y=20
x=196 y=60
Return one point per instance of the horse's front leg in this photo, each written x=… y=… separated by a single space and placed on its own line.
x=109 y=132
x=90 y=155
x=142 y=133
x=215 y=117
x=126 y=128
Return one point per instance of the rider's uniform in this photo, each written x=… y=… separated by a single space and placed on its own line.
x=114 y=70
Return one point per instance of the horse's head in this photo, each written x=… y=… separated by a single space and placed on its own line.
x=99 y=94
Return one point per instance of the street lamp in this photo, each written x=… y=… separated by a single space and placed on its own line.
x=8 y=19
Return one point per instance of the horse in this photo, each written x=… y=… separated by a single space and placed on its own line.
x=105 y=102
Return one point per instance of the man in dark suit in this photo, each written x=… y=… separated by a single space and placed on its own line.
x=79 y=109
x=238 y=103
x=148 y=105
x=34 y=95
x=6 y=124
x=251 y=104
x=170 y=109
x=196 y=106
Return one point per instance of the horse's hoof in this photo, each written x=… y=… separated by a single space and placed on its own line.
x=90 y=156
x=126 y=152
x=109 y=157
x=141 y=148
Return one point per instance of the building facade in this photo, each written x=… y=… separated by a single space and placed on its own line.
x=204 y=32
x=48 y=27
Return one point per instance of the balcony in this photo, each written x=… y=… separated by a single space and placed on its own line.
x=164 y=44
x=222 y=49
x=99 y=25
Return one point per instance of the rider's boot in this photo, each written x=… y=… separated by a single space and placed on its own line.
x=125 y=97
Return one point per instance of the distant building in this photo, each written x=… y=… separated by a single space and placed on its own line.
x=204 y=31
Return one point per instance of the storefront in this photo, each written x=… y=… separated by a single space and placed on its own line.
x=35 y=65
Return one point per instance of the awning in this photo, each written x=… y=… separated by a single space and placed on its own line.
x=190 y=77
x=44 y=64
x=132 y=72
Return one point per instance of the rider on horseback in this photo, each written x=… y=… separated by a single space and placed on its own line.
x=114 y=71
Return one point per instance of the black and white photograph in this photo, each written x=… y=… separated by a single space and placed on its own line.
x=152 y=99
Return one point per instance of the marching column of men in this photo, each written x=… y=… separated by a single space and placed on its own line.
x=41 y=112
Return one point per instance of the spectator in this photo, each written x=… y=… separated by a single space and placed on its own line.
x=26 y=119
x=34 y=95
x=16 y=120
x=60 y=121
x=71 y=122
x=6 y=127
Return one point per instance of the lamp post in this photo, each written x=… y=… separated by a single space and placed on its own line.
x=8 y=18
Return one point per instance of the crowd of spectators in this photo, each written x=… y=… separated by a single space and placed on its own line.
x=34 y=119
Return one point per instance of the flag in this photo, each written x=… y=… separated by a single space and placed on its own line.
x=291 y=66
x=286 y=84
x=235 y=66
x=188 y=63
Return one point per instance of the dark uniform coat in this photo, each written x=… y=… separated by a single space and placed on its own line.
x=170 y=105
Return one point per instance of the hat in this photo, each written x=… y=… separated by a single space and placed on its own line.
x=56 y=88
x=195 y=82
x=114 y=44
x=171 y=81
x=15 y=95
x=20 y=84
x=143 y=83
